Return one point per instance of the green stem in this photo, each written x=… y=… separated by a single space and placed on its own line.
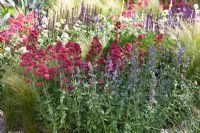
x=104 y=127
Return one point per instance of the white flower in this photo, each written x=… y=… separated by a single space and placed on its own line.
x=77 y=25
x=7 y=49
x=1 y=113
x=45 y=20
x=45 y=33
x=23 y=50
x=40 y=40
x=76 y=28
x=197 y=11
x=24 y=36
x=65 y=37
x=58 y=38
x=62 y=21
x=100 y=16
x=124 y=19
x=164 y=131
x=110 y=27
x=54 y=43
x=166 y=12
x=196 y=6
x=58 y=24
x=66 y=28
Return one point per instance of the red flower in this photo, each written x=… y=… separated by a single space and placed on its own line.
x=33 y=36
x=141 y=54
x=159 y=37
x=140 y=37
x=139 y=43
x=28 y=81
x=67 y=80
x=115 y=52
x=102 y=60
x=40 y=84
x=95 y=50
x=128 y=49
x=101 y=82
x=70 y=89
x=118 y=25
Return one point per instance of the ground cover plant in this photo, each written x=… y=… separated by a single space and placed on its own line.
x=83 y=70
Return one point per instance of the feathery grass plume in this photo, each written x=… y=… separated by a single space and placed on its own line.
x=107 y=6
x=153 y=7
x=18 y=103
x=189 y=36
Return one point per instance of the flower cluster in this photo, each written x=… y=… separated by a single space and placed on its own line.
x=95 y=50
x=115 y=53
x=48 y=63
x=15 y=34
x=4 y=36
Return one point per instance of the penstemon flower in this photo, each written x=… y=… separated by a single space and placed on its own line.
x=95 y=50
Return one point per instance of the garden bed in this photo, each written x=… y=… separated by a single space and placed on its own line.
x=85 y=69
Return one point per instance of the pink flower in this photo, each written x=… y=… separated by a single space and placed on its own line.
x=47 y=76
x=40 y=84
x=161 y=5
x=146 y=2
x=29 y=68
x=140 y=3
x=10 y=20
x=131 y=7
x=37 y=73
x=138 y=24
x=127 y=13
x=4 y=36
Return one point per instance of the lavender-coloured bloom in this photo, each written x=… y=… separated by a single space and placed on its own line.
x=180 y=52
x=109 y=64
x=193 y=14
x=147 y=23
x=82 y=11
x=170 y=17
x=151 y=65
x=157 y=28
x=152 y=94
